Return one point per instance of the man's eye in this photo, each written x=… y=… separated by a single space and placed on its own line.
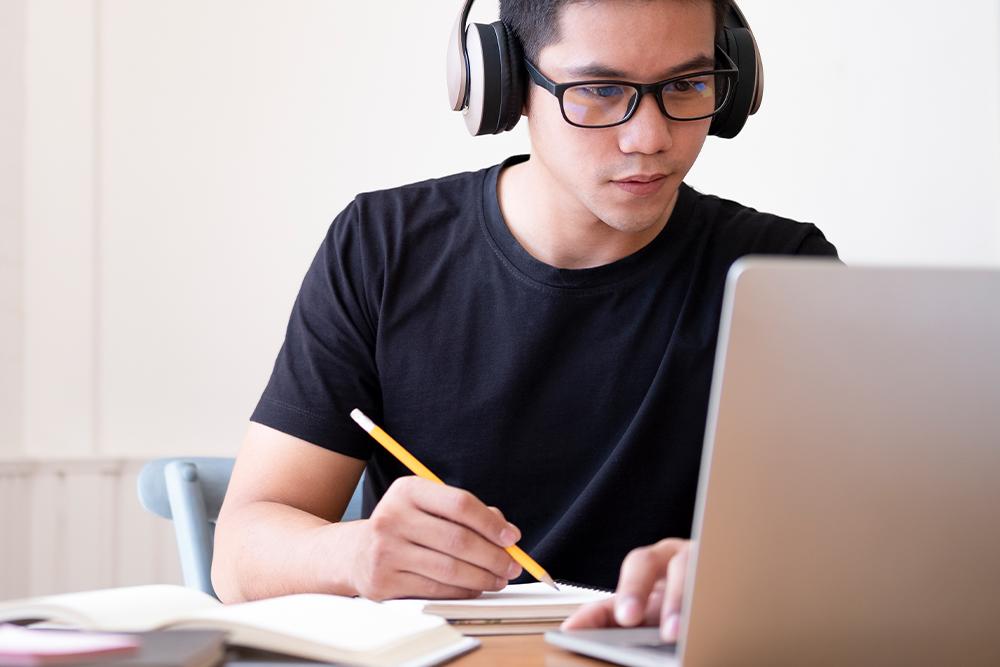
x=602 y=91
x=687 y=86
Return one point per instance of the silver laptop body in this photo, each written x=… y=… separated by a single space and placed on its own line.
x=849 y=503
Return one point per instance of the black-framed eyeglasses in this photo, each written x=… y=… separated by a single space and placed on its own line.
x=605 y=102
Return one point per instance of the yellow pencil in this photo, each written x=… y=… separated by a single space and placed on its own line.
x=419 y=469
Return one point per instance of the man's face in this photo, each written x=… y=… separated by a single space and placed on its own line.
x=596 y=171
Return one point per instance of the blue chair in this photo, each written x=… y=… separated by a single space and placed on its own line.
x=190 y=491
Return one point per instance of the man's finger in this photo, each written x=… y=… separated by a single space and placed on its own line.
x=452 y=570
x=453 y=540
x=462 y=507
x=594 y=615
x=640 y=571
x=654 y=607
x=673 y=595
x=411 y=585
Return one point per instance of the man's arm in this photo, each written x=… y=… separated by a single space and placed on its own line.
x=278 y=530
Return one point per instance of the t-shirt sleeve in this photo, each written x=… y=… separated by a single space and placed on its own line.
x=815 y=243
x=326 y=365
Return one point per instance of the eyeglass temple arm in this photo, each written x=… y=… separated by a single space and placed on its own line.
x=539 y=78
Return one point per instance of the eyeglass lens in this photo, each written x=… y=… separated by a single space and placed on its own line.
x=609 y=103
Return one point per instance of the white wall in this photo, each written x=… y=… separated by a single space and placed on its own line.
x=61 y=227
x=11 y=223
x=182 y=160
x=881 y=122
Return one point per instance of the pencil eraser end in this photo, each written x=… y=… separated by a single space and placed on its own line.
x=362 y=420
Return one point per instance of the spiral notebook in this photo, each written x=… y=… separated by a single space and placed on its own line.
x=517 y=609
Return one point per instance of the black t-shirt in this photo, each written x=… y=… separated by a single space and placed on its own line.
x=574 y=400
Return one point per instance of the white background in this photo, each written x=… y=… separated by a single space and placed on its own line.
x=168 y=168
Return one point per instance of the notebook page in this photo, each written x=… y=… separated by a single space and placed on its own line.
x=534 y=600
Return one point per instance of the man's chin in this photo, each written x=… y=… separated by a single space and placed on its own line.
x=632 y=224
x=636 y=218
x=659 y=205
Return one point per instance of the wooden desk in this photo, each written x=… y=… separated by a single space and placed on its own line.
x=523 y=651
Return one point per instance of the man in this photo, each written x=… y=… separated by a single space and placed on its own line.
x=540 y=334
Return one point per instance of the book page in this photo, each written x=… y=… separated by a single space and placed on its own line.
x=129 y=609
x=351 y=625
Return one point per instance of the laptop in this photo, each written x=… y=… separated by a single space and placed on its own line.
x=848 y=509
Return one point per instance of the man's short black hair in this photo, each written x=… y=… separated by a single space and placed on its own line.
x=536 y=22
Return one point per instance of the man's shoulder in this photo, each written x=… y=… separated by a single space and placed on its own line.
x=747 y=229
x=414 y=220
x=728 y=213
x=448 y=191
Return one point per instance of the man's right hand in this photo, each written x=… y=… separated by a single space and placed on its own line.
x=430 y=540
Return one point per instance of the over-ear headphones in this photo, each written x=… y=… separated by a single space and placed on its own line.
x=485 y=74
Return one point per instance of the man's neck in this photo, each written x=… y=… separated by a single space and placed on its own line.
x=557 y=229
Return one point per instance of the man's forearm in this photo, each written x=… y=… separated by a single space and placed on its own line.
x=264 y=549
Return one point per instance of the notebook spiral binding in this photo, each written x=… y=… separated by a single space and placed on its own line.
x=586 y=587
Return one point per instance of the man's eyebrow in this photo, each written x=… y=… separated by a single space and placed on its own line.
x=599 y=71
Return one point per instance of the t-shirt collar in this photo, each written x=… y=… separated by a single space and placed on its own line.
x=661 y=248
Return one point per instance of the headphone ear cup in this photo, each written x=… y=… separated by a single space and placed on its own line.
x=738 y=43
x=485 y=78
x=511 y=86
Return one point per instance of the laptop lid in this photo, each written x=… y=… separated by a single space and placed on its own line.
x=849 y=502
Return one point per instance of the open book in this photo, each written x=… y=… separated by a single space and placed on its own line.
x=517 y=609
x=327 y=628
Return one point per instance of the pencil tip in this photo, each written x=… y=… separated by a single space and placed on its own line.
x=548 y=580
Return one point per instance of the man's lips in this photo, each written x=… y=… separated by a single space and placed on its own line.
x=640 y=178
x=641 y=184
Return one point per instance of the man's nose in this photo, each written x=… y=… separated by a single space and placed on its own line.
x=647 y=131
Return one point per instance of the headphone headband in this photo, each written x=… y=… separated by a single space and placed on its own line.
x=458 y=61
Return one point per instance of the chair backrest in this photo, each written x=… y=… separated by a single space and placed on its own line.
x=190 y=490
